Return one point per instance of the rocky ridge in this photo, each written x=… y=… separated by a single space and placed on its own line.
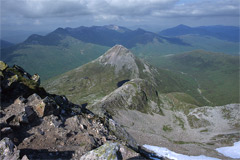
x=39 y=125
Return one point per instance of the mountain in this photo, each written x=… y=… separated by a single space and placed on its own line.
x=217 y=74
x=156 y=106
x=110 y=71
x=51 y=55
x=67 y=48
x=5 y=44
x=109 y=35
x=228 y=33
x=30 y=115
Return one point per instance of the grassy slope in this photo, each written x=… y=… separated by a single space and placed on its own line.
x=86 y=83
x=93 y=81
x=196 y=42
x=49 y=61
x=217 y=74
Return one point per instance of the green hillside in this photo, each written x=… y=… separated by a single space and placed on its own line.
x=217 y=74
x=156 y=48
x=67 y=48
x=100 y=77
x=52 y=60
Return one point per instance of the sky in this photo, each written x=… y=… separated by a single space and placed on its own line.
x=153 y=15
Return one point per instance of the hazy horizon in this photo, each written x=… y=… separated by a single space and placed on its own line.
x=43 y=16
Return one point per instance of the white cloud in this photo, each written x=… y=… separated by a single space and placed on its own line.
x=204 y=8
x=56 y=13
x=37 y=22
x=42 y=8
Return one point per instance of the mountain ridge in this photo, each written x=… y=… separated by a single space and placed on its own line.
x=229 y=33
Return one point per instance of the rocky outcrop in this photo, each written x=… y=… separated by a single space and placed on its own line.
x=8 y=150
x=16 y=82
x=106 y=151
x=112 y=151
x=136 y=94
x=120 y=57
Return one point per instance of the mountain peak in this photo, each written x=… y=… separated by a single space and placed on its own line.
x=115 y=53
x=182 y=26
x=120 y=57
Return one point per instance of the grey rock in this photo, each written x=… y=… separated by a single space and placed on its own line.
x=6 y=130
x=22 y=71
x=36 y=78
x=23 y=118
x=30 y=113
x=42 y=107
x=20 y=100
x=25 y=157
x=13 y=120
x=3 y=66
x=8 y=150
x=122 y=134
x=108 y=151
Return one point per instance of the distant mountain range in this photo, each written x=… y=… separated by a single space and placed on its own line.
x=67 y=48
x=5 y=44
x=109 y=35
x=228 y=33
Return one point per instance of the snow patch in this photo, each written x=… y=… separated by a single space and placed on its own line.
x=232 y=151
x=164 y=152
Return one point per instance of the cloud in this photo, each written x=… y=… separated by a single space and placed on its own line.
x=37 y=22
x=55 y=13
x=204 y=8
x=66 y=8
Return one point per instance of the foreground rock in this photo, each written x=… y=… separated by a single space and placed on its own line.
x=111 y=151
x=106 y=151
x=8 y=150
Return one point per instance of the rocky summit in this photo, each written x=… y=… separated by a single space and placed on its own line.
x=39 y=125
x=120 y=57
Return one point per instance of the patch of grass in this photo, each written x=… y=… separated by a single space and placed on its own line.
x=185 y=142
x=167 y=128
x=28 y=82
x=216 y=74
x=179 y=121
x=204 y=130
x=52 y=60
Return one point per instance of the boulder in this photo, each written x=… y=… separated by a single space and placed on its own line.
x=8 y=151
x=10 y=81
x=42 y=107
x=3 y=66
x=30 y=113
x=6 y=130
x=107 y=151
x=36 y=78
x=122 y=134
